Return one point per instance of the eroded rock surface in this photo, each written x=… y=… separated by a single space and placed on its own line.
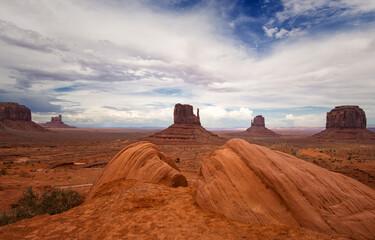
x=127 y=209
x=16 y=116
x=258 y=129
x=183 y=114
x=346 y=117
x=258 y=121
x=141 y=161
x=14 y=111
x=346 y=122
x=186 y=129
x=253 y=184
x=56 y=122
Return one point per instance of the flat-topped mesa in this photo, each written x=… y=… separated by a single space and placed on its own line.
x=346 y=122
x=258 y=121
x=183 y=113
x=56 y=122
x=57 y=119
x=346 y=117
x=186 y=129
x=14 y=111
x=258 y=129
x=17 y=117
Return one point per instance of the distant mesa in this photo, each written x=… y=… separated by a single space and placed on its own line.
x=17 y=117
x=253 y=184
x=56 y=122
x=346 y=122
x=186 y=129
x=141 y=161
x=258 y=129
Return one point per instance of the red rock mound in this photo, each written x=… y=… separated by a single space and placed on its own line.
x=258 y=129
x=346 y=122
x=186 y=129
x=18 y=117
x=141 y=161
x=56 y=122
x=127 y=209
x=253 y=184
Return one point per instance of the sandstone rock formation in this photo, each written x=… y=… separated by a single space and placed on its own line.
x=258 y=129
x=14 y=111
x=346 y=122
x=186 y=129
x=183 y=114
x=253 y=184
x=127 y=209
x=141 y=161
x=15 y=116
x=56 y=122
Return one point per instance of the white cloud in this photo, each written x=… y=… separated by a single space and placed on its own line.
x=293 y=8
x=312 y=120
x=130 y=56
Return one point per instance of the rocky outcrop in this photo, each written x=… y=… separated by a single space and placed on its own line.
x=186 y=129
x=183 y=114
x=56 y=122
x=258 y=129
x=258 y=121
x=18 y=117
x=128 y=209
x=253 y=184
x=14 y=111
x=346 y=117
x=141 y=161
x=346 y=122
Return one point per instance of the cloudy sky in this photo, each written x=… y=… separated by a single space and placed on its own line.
x=124 y=63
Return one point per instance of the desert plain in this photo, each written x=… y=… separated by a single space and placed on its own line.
x=74 y=158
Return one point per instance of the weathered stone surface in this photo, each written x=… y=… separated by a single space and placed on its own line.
x=183 y=113
x=253 y=184
x=18 y=117
x=346 y=117
x=258 y=121
x=186 y=129
x=14 y=111
x=56 y=122
x=346 y=122
x=258 y=129
x=129 y=209
x=141 y=161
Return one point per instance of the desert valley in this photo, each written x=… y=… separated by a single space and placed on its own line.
x=187 y=119
x=193 y=183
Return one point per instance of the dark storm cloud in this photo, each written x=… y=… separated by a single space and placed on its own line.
x=13 y=35
x=36 y=102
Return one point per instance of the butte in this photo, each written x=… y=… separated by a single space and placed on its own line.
x=186 y=129
x=346 y=122
x=16 y=117
x=258 y=129
x=56 y=122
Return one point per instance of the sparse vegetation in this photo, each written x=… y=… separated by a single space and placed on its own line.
x=3 y=171
x=49 y=202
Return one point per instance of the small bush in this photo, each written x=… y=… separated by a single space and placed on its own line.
x=49 y=202
x=3 y=171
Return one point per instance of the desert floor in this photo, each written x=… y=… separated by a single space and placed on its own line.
x=74 y=158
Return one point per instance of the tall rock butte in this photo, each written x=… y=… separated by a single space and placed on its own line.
x=16 y=116
x=346 y=122
x=253 y=184
x=258 y=129
x=56 y=122
x=186 y=129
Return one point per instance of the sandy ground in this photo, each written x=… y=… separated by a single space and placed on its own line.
x=35 y=159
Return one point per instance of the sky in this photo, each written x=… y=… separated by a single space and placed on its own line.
x=120 y=63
